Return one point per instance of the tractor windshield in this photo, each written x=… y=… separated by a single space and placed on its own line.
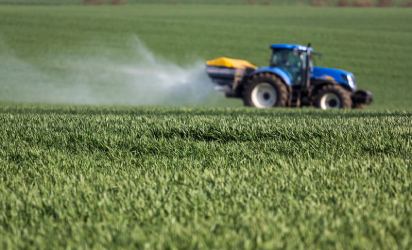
x=292 y=62
x=284 y=58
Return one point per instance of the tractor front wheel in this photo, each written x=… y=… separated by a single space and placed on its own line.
x=333 y=97
x=265 y=91
x=358 y=106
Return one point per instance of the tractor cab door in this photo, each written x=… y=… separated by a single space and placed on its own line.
x=289 y=60
x=292 y=61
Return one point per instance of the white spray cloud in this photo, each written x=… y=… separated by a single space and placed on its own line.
x=145 y=80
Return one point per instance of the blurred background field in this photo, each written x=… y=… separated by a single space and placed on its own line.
x=38 y=43
x=359 y=3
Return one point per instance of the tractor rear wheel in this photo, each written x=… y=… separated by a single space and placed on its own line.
x=333 y=97
x=265 y=91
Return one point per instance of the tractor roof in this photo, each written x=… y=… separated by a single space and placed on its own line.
x=290 y=46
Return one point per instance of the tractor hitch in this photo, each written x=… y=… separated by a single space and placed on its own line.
x=362 y=97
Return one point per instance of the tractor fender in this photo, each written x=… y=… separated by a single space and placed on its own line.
x=276 y=71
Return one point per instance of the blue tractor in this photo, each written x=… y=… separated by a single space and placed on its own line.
x=291 y=80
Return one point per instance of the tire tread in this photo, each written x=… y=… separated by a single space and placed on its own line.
x=346 y=101
x=281 y=89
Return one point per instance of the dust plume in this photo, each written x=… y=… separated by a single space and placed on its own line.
x=145 y=79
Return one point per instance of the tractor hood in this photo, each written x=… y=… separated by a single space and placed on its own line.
x=333 y=75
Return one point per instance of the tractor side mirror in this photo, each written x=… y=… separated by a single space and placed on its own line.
x=317 y=54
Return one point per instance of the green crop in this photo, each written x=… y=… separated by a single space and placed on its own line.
x=201 y=178
x=84 y=177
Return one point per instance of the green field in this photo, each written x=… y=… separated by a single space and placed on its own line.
x=86 y=49
x=128 y=176
x=204 y=178
x=225 y=2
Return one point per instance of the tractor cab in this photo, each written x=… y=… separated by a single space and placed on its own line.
x=292 y=59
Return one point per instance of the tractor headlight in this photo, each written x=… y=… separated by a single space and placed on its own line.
x=351 y=82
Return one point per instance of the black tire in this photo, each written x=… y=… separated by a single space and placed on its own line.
x=278 y=99
x=333 y=97
x=358 y=106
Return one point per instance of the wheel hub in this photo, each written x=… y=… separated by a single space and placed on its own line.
x=264 y=95
x=330 y=101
